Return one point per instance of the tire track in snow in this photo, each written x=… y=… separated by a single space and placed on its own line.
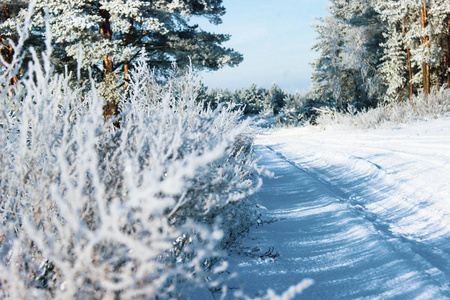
x=329 y=236
x=398 y=188
x=434 y=256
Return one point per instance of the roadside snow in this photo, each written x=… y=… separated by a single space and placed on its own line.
x=362 y=213
x=402 y=175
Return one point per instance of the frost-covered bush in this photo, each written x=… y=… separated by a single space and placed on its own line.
x=91 y=211
x=386 y=115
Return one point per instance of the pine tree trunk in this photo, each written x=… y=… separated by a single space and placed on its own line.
x=411 y=94
x=447 y=50
x=126 y=65
x=425 y=41
x=112 y=106
x=105 y=30
x=126 y=73
x=408 y=52
x=7 y=51
x=7 y=55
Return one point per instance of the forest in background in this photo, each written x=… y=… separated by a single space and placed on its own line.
x=382 y=51
x=371 y=53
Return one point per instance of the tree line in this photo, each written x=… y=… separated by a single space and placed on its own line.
x=381 y=50
x=369 y=51
x=255 y=99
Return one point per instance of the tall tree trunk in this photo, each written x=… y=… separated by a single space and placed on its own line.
x=111 y=108
x=126 y=65
x=126 y=73
x=425 y=41
x=408 y=52
x=7 y=55
x=447 y=50
x=7 y=51
x=105 y=30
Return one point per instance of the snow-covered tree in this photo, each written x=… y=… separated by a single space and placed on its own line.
x=396 y=59
x=328 y=75
x=382 y=50
x=277 y=100
x=253 y=99
x=395 y=66
x=107 y=36
x=362 y=52
x=215 y=96
x=361 y=36
x=420 y=28
x=434 y=18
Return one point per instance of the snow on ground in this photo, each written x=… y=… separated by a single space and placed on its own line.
x=365 y=214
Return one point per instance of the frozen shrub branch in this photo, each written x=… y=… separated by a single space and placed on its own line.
x=92 y=211
x=390 y=114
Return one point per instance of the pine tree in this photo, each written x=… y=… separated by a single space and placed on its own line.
x=215 y=96
x=446 y=47
x=361 y=50
x=253 y=99
x=426 y=37
x=328 y=74
x=382 y=50
x=277 y=97
x=396 y=59
x=113 y=33
x=440 y=16
x=350 y=54
x=395 y=66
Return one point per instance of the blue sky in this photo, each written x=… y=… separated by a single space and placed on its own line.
x=276 y=39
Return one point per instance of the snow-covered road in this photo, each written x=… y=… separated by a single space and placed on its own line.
x=364 y=214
